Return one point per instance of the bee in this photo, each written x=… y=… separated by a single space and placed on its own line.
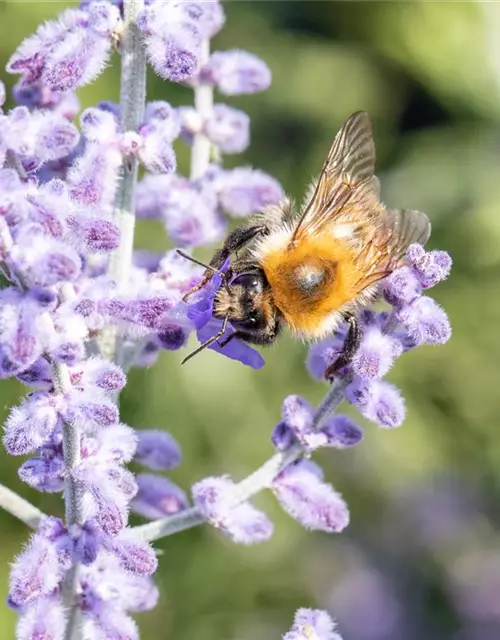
x=315 y=269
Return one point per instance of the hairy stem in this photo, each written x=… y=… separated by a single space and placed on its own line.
x=19 y=507
x=73 y=497
x=132 y=103
x=203 y=102
x=260 y=479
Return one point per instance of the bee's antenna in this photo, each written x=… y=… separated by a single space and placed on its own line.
x=201 y=264
x=209 y=267
x=208 y=342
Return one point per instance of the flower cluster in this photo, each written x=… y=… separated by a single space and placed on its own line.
x=414 y=320
x=60 y=227
x=312 y=624
x=72 y=322
x=299 y=486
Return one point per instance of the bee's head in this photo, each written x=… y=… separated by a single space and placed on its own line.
x=246 y=302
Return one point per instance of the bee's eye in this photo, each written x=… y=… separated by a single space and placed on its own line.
x=247 y=280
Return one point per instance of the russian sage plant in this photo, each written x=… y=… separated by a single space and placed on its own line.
x=80 y=307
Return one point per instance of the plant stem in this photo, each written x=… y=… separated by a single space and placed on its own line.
x=203 y=102
x=260 y=479
x=132 y=103
x=19 y=507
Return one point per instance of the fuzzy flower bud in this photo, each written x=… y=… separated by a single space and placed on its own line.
x=157 y=497
x=312 y=624
x=157 y=450
x=375 y=354
x=64 y=54
x=378 y=401
x=430 y=267
x=244 y=191
x=243 y=523
x=236 y=72
x=315 y=504
x=172 y=39
x=30 y=425
x=228 y=129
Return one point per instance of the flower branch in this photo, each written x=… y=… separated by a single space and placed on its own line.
x=256 y=482
x=132 y=104
x=19 y=507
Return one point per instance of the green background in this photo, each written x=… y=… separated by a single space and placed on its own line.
x=421 y=558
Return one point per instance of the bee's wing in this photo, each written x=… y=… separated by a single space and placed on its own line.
x=346 y=199
x=382 y=248
x=346 y=178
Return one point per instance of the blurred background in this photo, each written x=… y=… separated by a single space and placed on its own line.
x=421 y=558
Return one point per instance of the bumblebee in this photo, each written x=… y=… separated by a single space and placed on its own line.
x=313 y=269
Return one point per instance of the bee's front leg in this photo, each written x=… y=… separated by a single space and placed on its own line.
x=236 y=240
x=351 y=345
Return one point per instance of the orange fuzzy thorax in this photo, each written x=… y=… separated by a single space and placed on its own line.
x=306 y=312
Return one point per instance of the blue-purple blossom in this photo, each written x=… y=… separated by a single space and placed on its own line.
x=43 y=618
x=157 y=497
x=172 y=38
x=228 y=129
x=312 y=624
x=236 y=72
x=215 y=497
x=157 y=450
x=67 y=53
x=298 y=425
x=315 y=504
x=31 y=425
x=243 y=191
x=378 y=401
x=200 y=310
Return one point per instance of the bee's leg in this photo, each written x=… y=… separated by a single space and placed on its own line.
x=234 y=241
x=351 y=345
x=231 y=336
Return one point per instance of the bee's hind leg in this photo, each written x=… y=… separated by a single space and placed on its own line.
x=351 y=345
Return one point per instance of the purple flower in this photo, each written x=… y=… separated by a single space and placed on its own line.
x=215 y=497
x=375 y=354
x=157 y=450
x=22 y=331
x=228 y=129
x=236 y=72
x=244 y=191
x=297 y=425
x=312 y=624
x=378 y=401
x=323 y=353
x=99 y=373
x=44 y=261
x=46 y=471
x=425 y=321
x=66 y=54
x=134 y=556
x=91 y=408
x=236 y=349
x=156 y=152
x=342 y=432
x=39 y=569
x=157 y=497
x=93 y=177
x=43 y=619
x=401 y=287
x=96 y=235
x=31 y=425
x=210 y=19
x=315 y=504
x=172 y=39
x=430 y=267
x=189 y=214
x=200 y=310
